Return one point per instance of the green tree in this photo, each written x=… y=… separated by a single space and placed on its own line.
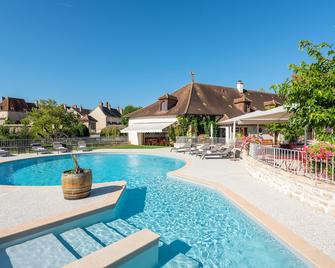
x=51 y=118
x=4 y=133
x=80 y=130
x=110 y=131
x=310 y=93
x=127 y=110
x=291 y=132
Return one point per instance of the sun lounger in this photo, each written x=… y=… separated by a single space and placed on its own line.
x=82 y=146
x=222 y=152
x=39 y=149
x=201 y=149
x=183 y=148
x=60 y=147
x=4 y=152
x=210 y=148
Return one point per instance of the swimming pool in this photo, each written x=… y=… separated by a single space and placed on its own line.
x=198 y=221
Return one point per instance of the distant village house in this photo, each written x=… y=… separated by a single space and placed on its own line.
x=13 y=110
x=105 y=116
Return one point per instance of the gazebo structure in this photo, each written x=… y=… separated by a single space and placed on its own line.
x=252 y=120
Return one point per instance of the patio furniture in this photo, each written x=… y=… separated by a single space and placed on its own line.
x=4 y=152
x=210 y=148
x=201 y=149
x=222 y=152
x=83 y=147
x=236 y=154
x=60 y=147
x=183 y=148
x=38 y=148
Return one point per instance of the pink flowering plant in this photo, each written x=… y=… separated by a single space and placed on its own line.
x=321 y=150
x=320 y=154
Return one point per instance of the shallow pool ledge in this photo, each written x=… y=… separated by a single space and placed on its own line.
x=311 y=254
x=41 y=225
x=137 y=250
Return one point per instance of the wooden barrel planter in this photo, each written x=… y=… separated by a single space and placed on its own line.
x=76 y=186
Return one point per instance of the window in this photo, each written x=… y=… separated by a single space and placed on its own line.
x=163 y=106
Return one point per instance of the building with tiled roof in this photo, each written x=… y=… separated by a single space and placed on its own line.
x=195 y=99
x=14 y=109
x=85 y=118
x=105 y=116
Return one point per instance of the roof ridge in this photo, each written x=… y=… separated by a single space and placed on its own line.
x=261 y=92
x=189 y=99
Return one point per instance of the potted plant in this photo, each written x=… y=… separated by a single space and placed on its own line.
x=77 y=182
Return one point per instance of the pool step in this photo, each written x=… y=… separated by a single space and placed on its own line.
x=104 y=233
x=80 y=241
x=44 y=251
x=123 y=227
x=181 y=260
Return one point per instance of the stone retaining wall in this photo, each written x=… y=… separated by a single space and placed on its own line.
x=318 y=195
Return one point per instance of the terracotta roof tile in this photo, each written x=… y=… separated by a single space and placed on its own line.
x=15 y=104
x=203 y=99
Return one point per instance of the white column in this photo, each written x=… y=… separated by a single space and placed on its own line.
x=227 y=134
x=234 y=131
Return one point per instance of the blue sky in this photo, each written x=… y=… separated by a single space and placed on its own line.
x=131 y=52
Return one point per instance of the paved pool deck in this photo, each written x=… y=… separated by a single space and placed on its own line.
x=19 y=205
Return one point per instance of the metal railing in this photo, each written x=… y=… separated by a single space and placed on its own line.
x=24 y=145
x=295 y=161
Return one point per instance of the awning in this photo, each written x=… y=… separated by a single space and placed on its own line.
x=146 y=127
x=275 y=115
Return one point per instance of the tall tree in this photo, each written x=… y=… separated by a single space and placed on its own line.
x=127 y=110
x=50 y=119
x=310 y=93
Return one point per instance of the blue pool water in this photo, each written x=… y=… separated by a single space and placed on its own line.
x=194 y=220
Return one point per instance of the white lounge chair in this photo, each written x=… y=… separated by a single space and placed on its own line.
x=82 y=146
x=39 y=149
x=60 y=148
x=4 y=152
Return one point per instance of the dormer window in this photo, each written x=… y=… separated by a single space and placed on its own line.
x=164 y=106
x=167 y=101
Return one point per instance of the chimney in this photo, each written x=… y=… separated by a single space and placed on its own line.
x=120 y=109
x=240 y=86
x=36 y=103
x=81 y=108
x=101 y=104
x=74 y=106
x=108 y=105
x=64 y=106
